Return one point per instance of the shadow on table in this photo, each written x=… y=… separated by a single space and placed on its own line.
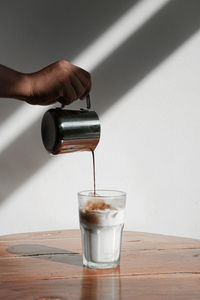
x=92 y=284
x=47 y=253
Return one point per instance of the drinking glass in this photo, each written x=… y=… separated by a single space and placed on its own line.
x=101 y=222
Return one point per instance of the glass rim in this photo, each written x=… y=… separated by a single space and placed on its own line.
x=118 y=193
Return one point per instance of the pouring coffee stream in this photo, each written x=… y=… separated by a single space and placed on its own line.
x=66 y=131
x=94 y=172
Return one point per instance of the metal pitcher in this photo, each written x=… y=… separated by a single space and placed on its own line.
x=65 y=131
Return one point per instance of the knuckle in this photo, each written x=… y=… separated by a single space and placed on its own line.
x=61 y=63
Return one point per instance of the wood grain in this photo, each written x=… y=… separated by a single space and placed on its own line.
x=48 y=265
x=157 y=287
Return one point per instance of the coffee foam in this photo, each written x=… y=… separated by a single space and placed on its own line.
x=97 y=212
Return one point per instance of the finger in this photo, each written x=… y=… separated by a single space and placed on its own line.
x=41 y=101
x=87 y=90
x=78 y=86
x=69 y=92
x=64 y=101
x=83 y=76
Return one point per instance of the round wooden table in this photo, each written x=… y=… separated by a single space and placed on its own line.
x=48 y=265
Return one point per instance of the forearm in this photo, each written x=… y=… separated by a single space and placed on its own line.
x=13 y=84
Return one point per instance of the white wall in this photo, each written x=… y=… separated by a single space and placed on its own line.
x=147 y=93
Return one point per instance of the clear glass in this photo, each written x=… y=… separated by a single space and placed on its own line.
x=101 y=223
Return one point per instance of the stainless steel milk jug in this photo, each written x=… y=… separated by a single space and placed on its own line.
x=65 y=131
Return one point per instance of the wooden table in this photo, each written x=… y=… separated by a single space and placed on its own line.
x=48 y=265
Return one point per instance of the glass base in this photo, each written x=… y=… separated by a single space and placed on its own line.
x=99 y=265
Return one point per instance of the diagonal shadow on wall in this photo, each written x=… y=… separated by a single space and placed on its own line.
x=7 y=108
x=40 y=32
x=145 y=50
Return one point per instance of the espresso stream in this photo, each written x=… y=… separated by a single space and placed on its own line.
x=94 y=174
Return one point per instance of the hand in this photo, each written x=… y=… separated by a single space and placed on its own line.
x=60 y=81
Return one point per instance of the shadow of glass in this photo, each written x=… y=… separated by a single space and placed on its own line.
x=144 y=51
x=47 y=253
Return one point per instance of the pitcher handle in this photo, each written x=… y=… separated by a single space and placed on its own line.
x=88 y=102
